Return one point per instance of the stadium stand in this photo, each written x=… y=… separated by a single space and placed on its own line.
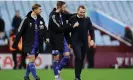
x=18 y=6
x=115 y=17
x=115 y=9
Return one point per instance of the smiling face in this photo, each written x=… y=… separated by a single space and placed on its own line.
x=38 y=10
x=63 y=8
x=81 y=11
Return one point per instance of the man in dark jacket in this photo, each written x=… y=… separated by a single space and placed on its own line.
x=80 y=26
x=3 y=36
x=59 y=36
x=16 y=21
x=2 y=25
x=33 y=30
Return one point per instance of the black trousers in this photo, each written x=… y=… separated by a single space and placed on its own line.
x=14 y=56
x=79 y=51
x=22 y=63
x=90 y=57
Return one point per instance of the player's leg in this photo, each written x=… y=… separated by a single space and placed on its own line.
x=27 y=72
x=31 y=68
x=90 y=57
x=83 y=52
x=78 y=60
x=55 y=54
x=66 y=55
x=23 y=60
x=64 y=61
x=14 y=55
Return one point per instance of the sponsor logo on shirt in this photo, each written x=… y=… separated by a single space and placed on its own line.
x=41 y=22
x=30 y=24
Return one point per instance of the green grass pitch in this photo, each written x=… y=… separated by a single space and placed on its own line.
x=68 y=74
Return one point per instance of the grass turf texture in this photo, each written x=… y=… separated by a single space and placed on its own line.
x=68 y=74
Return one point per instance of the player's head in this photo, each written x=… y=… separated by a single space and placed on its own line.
x=36 y=8
x=81 y=11
x=17 y=13
x=61 y=5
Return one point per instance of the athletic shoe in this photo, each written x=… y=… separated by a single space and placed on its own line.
x=26 y=78
x=37 y=78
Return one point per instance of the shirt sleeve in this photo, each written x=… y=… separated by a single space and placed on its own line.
x=55 y=26
x=91 y=30
x=19 y=33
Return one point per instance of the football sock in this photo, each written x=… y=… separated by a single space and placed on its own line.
x=27 y=71
x=32 y=69
x=63 y=62
x=55 y=68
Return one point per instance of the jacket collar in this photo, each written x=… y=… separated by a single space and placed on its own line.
x=29 y=15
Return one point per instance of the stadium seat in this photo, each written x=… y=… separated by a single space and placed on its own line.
x=130 y=3
x=127 y=11
x=98 y=38
x=25 y=6
x=121 y=12
x=18 y=6
x=5 y=16
x=106 y=8
x=53 y=3
x=114 y=10
x=71 y=6
x=44 y=13
x=98 y=5
x=2 y=42
x=47 y=8
x=11 y=9
x=115 y=43
x=107 y=40
x=31 y=3
x=1 y=4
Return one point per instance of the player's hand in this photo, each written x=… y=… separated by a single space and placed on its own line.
x=69 y=46
x=47 y=40
x=91 y=43
x=76 y=24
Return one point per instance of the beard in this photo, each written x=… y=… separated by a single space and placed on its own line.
x=62 y=11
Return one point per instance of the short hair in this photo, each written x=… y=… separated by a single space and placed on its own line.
x=81 y=6
x=60 y=4
x=35 y=6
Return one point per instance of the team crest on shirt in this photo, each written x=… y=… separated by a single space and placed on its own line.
x=30 y=24
x=41 y=26
x=41 y=22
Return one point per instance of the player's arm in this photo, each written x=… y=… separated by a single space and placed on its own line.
x=45 y=32
x=55 y=26
x=73 y=23
x=68 y=37
x=91 y=32
x=19 y=33
x=69 y=15
x=11 y=42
